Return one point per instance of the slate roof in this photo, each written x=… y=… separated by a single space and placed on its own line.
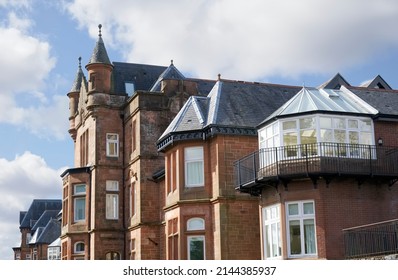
x=229 y=105
x=142 y=75
x=44 y=218
x=100 y=54
x=50 y=232
x=37 y=208
x=78 y=79
x=335 y=83
x=384 y=101
x=376 y=82
x=171 y=72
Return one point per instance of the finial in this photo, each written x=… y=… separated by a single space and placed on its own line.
x=99 y=32
x=219 y=77
x=171 y=62
x=80 y=61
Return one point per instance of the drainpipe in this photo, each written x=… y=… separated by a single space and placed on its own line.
x=124 y=186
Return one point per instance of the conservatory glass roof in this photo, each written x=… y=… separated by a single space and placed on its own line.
x=323 y=100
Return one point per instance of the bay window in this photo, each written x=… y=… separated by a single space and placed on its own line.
x=194 y=167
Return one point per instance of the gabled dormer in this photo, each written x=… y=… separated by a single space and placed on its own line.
x=377 y=82
x=335 y=83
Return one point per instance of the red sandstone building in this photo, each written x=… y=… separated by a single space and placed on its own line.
x=169 y=167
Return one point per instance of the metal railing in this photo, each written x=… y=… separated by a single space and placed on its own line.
x=371 y=240
x=316 y=159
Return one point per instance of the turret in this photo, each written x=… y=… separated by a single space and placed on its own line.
x=99 y=68
x=73 y=95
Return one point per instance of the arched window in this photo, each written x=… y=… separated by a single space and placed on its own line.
x=79 y=247
x=195 y=224
x=112 y=256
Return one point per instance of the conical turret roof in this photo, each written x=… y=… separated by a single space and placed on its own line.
x=100 y=54
x=78 y=79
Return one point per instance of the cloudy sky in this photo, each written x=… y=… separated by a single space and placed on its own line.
x=277 y=41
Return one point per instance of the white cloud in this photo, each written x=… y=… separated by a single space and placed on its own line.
x=23 y=179
x=28 y=63
x=245 y=39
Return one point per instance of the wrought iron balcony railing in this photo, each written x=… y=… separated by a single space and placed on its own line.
x=317 y=159
x=372 y=240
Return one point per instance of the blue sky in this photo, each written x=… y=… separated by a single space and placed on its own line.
x=288 y=41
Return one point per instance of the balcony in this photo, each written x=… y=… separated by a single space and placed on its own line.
x=371 y=241
x=281 y=164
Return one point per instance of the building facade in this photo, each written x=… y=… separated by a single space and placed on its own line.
x=39 y=226
x=325 y=169
x=170 y=167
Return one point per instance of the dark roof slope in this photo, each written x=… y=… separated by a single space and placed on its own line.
x=44 y=218
x=171 y=72
x=50 y=232
x=143 y=76
x=37 y=208
x=229 y=105
x=385 y=101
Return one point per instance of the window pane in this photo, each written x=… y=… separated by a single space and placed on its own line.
x=112 y=206
x=339 y=136
x=307 y=123
x=111 y=137
x=293 y=209
x=352 y=124
x=269 y=131
x=339 y=123
x=80 y=209
x=194 y=153
x=325 y=122
x=295 y=242
x=263 y=135
x=366 y=138
x=289 y=125
x=196 y=224
x=275 y=128
x=195 y=173
x=326 y=135
x=196 y=248
x=309 y=236
x=353 y=137
x=80 y=189
x=308 y=208
x=112 y=185
x=290 y=138
x=365 y=125
x=308 y=136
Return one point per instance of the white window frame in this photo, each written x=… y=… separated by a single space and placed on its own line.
x=54 y=253
x=75 y=247
x=271 y=216
x=79 y=195
x=196 y=238
x=301 y=217
x=112 y=142
x=112 y=206
x=195 y=224
x=194 y=160
x=112 y=200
